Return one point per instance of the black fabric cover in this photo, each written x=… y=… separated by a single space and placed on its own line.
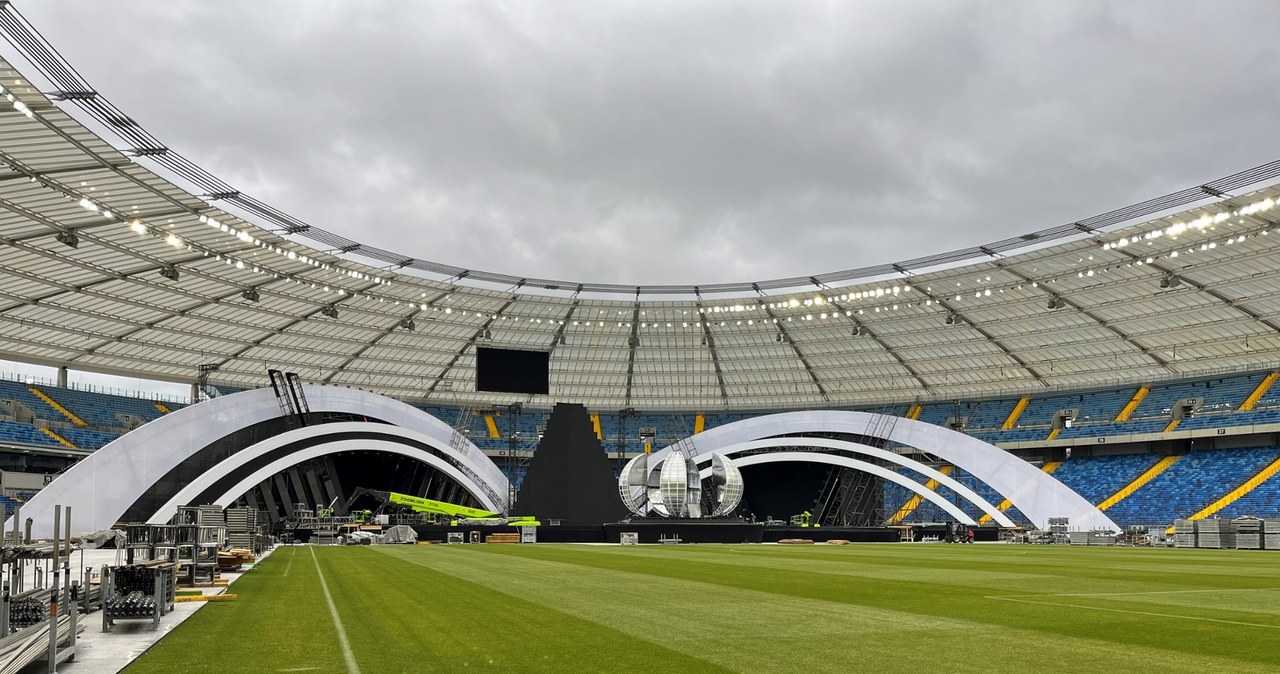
x=569 y=477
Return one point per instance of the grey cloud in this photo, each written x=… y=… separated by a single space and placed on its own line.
x=688 y=142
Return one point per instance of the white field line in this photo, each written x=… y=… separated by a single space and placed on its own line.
x=1146 y=613
x=288 y=566
x=352 y=667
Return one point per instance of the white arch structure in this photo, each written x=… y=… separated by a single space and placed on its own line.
x=836 y=460
x=102 y=486
x=247 y=455
x=1036 y=494
x=856 y=448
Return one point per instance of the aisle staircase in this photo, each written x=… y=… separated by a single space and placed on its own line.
x=61 y=440
x=913 y=412
x=163 y=408
x=1138 y=482
x=1263 y=387
x=1047 y=468
x=1018 y=409
x=916 y=499
x=1173 y=423
x=595 y=424
x=699 y=423
x=57 y=406
x=492 y=425
x=1053 y=434
x=1235 y=494
x=1136 y=400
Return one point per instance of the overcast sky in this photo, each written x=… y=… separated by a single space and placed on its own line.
x=690 y=142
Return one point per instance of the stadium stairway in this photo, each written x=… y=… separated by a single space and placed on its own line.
x=14 y=431
x=57 y=406
x=163 y=408
x=1197 y=480
x=61 y=440
x=1263 y=386
x=1048 y=468
x=1012 y=420
x=1239 y=492
x=1097 y=477
x=1133 y=403
x=916 y=499
x=913 y=412
x=1150 y=474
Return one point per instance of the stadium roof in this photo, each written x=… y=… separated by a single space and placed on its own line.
x=121 y=256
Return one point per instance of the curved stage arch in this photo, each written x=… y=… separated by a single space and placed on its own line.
x=104 y=485
x=846 y=462
x=259 y=461
x=1036 y=494
x=857 y=448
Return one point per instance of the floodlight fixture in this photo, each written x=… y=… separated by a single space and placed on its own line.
x=170 y=272
x=251 y=294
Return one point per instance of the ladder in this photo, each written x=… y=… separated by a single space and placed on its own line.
x=465 y=414
x=280 y=386
x=880 y=428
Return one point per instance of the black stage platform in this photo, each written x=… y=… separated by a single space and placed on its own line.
x=695 y=531
x=546 y=534
x=823 y=534
x=687 y=531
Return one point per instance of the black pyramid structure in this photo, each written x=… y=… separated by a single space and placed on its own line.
x=569 y=476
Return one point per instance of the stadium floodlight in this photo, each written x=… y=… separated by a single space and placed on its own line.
x=408 y=324
x=486 y=335
x=857 y=331
x=330 y=311
x=952 y=319
x=170 y=272
x=634 y=341
x=251 y=294
x=68 y=238
x=1170 y=281
x=1056 y=302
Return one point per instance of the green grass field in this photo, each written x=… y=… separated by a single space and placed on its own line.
x=868 y=608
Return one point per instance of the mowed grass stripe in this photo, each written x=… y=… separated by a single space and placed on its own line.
x=403 y=617
x=951 y=570
x=278 y=622
x=743 y=630
x=1202 y=567
x=771 y=626
x=1128 y=632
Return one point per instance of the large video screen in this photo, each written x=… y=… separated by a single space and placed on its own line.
x=512 y=371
